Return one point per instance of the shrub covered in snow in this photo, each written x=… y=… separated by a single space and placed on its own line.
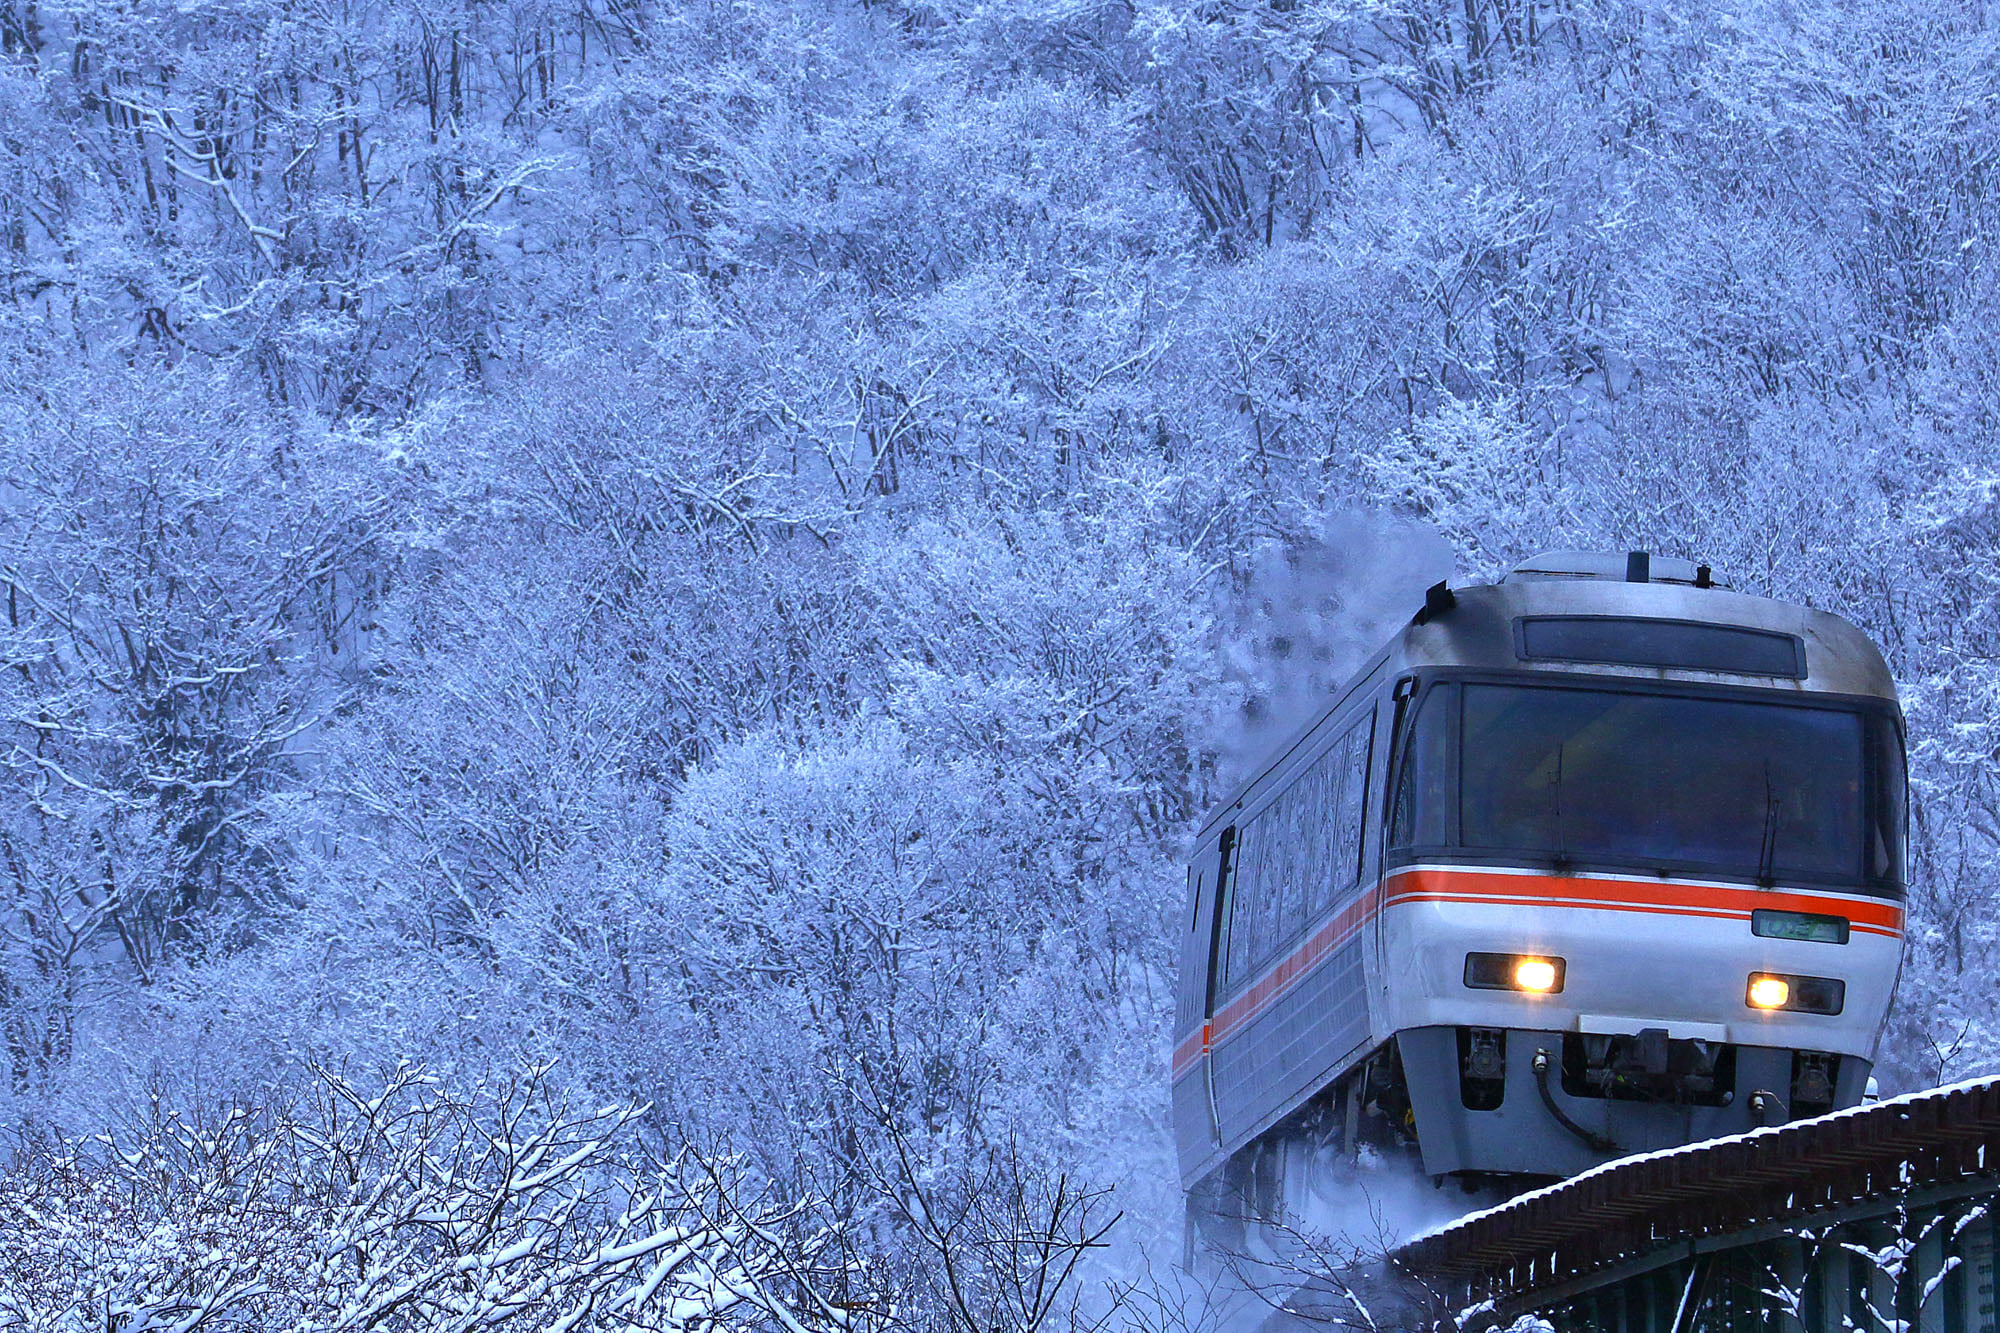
x=404 y=1207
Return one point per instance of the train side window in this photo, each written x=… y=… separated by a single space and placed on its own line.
x=1261 y=888
x=1298 y=868
x=1335 y=795
x=1417 y=816
x=1344 y=865
x=1303 y=852
x=1192 y=990
x=1251 y=891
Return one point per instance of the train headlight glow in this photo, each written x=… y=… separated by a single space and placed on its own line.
x=1796 y=994
x=1769 y=992
x=1535 y=974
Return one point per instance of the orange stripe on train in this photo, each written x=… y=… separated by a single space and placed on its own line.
x=1524 y=889
x=1647 y=908
x=1624 y=894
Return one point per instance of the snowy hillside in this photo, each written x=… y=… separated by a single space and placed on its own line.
x=721 y=549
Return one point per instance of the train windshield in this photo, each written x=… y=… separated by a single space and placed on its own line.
x=1767 y=791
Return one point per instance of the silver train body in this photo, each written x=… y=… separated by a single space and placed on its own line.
x=1600 y=859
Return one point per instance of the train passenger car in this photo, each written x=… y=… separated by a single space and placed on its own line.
x=1599 y=859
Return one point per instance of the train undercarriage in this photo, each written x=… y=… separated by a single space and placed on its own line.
x=1512 y=1111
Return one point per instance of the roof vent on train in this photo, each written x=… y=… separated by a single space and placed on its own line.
x=1613 y=566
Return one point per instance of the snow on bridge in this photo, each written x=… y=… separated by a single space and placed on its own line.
x=1876 y=1218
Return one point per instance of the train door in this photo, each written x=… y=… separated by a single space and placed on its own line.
x=1218 y=950
x=1194 y=1121
x=1211 y=882
x=1391 y=724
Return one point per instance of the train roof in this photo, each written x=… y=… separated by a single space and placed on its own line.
x=1617 y=616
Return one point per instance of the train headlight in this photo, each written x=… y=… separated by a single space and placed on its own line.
x=1769 y=992
x=1795 y=994
x=1534 y=974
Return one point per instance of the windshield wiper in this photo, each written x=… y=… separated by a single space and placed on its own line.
x=1767 y=849
x=1562 y=838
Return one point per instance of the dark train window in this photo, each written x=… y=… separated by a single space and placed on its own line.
x=1751 y=789
x=1417 y=817
x=1890 y=810
x=1681 y=645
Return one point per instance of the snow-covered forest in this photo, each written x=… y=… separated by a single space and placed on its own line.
x=704 y=557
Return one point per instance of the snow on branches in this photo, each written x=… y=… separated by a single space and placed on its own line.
x=407 y=1206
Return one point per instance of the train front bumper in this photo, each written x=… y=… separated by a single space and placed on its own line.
x=1478 y=1110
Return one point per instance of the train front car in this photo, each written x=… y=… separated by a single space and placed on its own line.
x=1623 y=870
x=1645 y=870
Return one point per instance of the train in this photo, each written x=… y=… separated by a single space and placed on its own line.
x=1598 y=859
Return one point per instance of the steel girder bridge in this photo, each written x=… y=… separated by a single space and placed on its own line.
x=1881 y=1218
